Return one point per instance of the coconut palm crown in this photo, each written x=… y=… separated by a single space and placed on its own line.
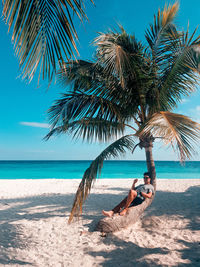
x=130 y=86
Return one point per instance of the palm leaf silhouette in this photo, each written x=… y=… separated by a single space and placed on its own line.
x=43 y=33
x=115 y=149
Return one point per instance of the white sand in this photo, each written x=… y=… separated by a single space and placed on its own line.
x=34 y=229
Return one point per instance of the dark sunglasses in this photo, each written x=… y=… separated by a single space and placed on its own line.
x=146 y=177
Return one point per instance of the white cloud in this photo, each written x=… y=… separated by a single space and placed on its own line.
x=184 y=100
x=35 y=124
x=195 y=111
x=197 y=108
x=41 y=151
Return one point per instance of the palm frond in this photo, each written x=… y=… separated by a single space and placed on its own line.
x=114 y=150
x=93 y=79
x=78 y=73
x=180 y=76
x=122 y=56
x=89 y=129
x=88 y=77
x=162 y=38
x=119 y=53
x=163 y=28
x=43 y=33
x=78 y=105
x=176 y=130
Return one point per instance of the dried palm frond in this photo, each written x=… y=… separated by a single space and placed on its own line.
x=115 y=149
x=176 y=130
x=158 y=34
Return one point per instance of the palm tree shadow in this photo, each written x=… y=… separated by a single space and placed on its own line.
x=181 y=204
x=126 y=253
x=4 y=260
x=191 y=253
x=15 y=211
x=34 y=208
x=11 y=237
x=184 y=205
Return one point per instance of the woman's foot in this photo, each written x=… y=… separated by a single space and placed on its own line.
x=123 y=212
x=109 y=213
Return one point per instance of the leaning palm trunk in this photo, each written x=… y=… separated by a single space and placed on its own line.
x=117 y=222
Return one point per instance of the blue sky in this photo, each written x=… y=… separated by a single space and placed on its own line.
x=23 y=106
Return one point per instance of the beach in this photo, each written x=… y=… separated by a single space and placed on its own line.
x=34 y=229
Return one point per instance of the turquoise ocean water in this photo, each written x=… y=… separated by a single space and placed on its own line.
x=73 y=169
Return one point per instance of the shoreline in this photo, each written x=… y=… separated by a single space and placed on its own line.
x=64 y=179
x=34 y=229
x=111 y=169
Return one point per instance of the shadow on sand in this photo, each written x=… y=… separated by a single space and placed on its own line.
x=134 y=254
x=13 y=211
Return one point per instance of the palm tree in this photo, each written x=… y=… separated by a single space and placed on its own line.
x=43 y=33
x=130 y=86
